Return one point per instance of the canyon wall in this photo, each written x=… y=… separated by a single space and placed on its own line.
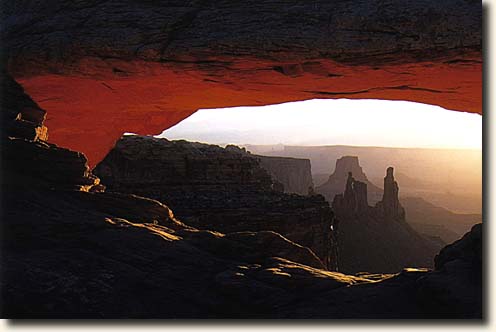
x=210 y=187
x=142 y=66
x=294 y=174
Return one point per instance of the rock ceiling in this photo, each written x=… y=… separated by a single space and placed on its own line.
x=102 y=68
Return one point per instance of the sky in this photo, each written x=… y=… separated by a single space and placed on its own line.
x=363 y=122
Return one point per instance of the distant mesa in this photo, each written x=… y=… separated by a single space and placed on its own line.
x=338 y=179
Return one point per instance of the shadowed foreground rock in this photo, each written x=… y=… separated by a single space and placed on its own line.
x=70 y=253
x=213 y=188
x=100 y=255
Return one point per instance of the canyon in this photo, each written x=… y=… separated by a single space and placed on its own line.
x=80 y=245
x=74 y=250
x=457 y=188
x=436 y=221
x=429 y=219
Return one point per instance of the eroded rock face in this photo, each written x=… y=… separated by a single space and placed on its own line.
x=148 y=65
x=213 y=188
x=338 y=179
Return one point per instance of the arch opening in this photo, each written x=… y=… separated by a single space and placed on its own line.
x=437 y=152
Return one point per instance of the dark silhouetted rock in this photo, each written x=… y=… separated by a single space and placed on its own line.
x=454 y=289
x=338 y=179
x=354 y=199
x=377 y=239
x=389 y=207
x=105 y=255
x=27 y=159
x=21 y=116
x=213 y=188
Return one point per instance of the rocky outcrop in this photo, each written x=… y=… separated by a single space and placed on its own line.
x=225 y=53
x=213 y=188
x=454 y=289
x=103 y=255
x=389 y=207
x=78 y=254
x=27 y=159
x=354 y=199
x=377 y=239
x=21 y=116
x=339 y=177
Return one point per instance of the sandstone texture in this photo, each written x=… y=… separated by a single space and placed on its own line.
x=213 y=188
x=142 y=66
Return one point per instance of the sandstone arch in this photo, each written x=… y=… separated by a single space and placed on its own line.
x=104 y=67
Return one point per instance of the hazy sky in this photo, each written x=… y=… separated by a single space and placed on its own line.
x=365 y=122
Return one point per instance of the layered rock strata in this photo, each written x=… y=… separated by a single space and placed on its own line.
x=213 y=188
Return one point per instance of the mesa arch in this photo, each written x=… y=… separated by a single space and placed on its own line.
x=101 y=68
